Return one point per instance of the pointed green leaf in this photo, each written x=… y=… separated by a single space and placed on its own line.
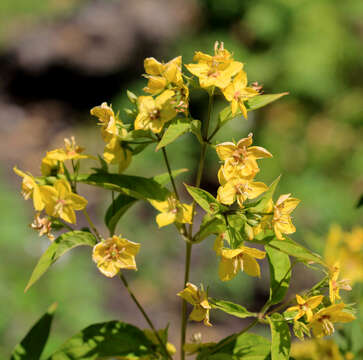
x=280 y=274
x=215 y=225
x=262 y=100
x=205 y=200
x=231 y=308
x=177 y=128
x=280 y=337
x=124 y=202
x=134 y=186
x=108 y=339
x=31 y=347
x=196 y=129
x=57 y=248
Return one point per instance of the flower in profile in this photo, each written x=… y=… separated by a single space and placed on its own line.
x=281 y=221
x=335 y=285
x=30 y=189
x=51 y=167
x=115 y=253
x=43 y=226
x=237 y=93
x=241 y=259
x=155 y=113
x=71 y=151
x=322 y=323
x=160 y=75
x=239 y=189
x=115 y=153
x=199 y=299
x=61 y=202
x=305 y=307
x=172 y=210
x=215 y=70
x=240 y=159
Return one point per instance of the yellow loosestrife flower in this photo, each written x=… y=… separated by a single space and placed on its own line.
x=281 y=221
x=199 y=299
x=335 y=285
x=215 y=70
x=51 y=167
x=155 y=113
x=240 y=190
x=71 y=151
x=115 y=253
x=241 y=259
x=114 y=153
x=160 y=75
x=30 y=189
x=61 y=202
x=240 y=159
x=322 y=323
x=237 y=93
x=305 y=307
x=172 y=211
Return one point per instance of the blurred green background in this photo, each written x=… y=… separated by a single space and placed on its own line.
x=59 y=58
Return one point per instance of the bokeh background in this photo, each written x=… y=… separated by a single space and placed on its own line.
x=59 y=58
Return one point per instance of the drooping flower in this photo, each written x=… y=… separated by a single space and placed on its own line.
x=199 y=299
x=237 y=93
x=172 y=210
x=61 y=202
x=335 y=285
x=239 y=189
x=215 y=70
x=155 y=113
x=43 y=225
x=160 y=75
x=240 y=159
x=115 y=253
x=30 y=189
x=115 y=153
x=241 y=259
x=322 y=323
x=71 y=151
x=281 y=221
x=305 y=307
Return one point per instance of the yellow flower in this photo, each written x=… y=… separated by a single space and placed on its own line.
x=237 y=93
x=115 y=253
x=354 y=239
x=305 y=307
x=240 y=159
x=215 y=70
x=241 y=259
x=335 y=285
x=198 y=298
x=239 y=189
x=115 y=153
x=61 y=202
x=155 y=113
x=322 y=322
x=30 y=189
x=316 y=350
x=161 y=75
x=71 y=151
x=172 y=211
x=281 y=221
x=51 y=167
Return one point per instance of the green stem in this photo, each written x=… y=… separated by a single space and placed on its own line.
x=214 y=132
x=92 y=225
x=146 y=317
x=188 y=250
x=170 y=173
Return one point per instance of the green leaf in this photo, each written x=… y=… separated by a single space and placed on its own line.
x=113 y=338
x=215 y=225
x=196 y=129
x=31 y=347
x=247 y=346
x=266 y=197
x=280 y=274
x=290 y=247
x=124 y=202
x=205 y=200
x=231 y=308
x=135 y=186
x=177 y=128
x=59 y=247
x=280 y=337
x=262 y=100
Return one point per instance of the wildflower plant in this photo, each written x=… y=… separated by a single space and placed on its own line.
x=248 y=222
